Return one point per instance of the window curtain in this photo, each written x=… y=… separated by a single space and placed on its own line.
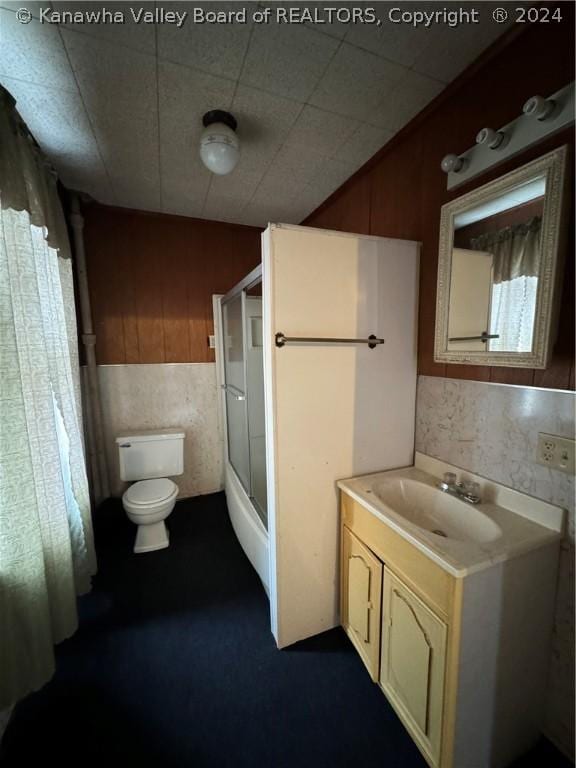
x=46 y=542
x=516 y=251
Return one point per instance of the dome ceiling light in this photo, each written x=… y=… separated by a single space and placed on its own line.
x=219 y=145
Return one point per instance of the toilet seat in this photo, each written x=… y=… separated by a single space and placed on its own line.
x=147 y=493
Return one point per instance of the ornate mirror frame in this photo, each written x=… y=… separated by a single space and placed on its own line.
x=553 y=167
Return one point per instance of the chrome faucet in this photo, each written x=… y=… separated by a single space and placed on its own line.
x=468 y=490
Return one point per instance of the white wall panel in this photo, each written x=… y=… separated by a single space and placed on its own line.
x=333 y=411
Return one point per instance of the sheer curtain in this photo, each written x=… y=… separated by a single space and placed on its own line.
x=46 y=544
x=516 y=251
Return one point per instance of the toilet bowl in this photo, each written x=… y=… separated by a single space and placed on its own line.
x=150 y=458
x=147 y=504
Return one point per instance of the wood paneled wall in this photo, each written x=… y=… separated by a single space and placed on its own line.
x=152 y=278
x=400 y=191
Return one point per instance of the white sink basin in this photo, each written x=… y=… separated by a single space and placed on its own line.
x=435 y=511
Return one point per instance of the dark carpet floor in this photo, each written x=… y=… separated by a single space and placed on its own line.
x=174 y=665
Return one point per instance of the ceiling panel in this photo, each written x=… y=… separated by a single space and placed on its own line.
x=322 y=131
x=287 y=59
x=59 y=119
x=364 y=142
x=33 y=53
x=408 y=97
x=131 y=33
x=184 y=96
x=355 y=81
x=118 y=107
x=453 y=48
x=401 y=43
x=119 y=91
x=265 y=121
x=215 y=48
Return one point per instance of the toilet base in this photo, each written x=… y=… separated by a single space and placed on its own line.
x=151 y=537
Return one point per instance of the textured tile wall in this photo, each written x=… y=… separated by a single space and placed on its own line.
x=492 y=430
x=137 y=397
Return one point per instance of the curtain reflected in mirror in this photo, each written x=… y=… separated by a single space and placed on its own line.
x=494 y=276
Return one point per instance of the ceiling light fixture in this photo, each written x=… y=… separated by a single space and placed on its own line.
x=219 y=145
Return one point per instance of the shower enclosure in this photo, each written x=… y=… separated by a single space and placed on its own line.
x=241 y=373
x=316 y=359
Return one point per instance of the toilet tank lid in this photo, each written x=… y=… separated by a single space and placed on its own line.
x=151 y=434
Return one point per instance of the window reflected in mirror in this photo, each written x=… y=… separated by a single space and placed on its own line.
x=495 y=267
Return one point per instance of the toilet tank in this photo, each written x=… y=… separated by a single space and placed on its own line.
x=146 y=455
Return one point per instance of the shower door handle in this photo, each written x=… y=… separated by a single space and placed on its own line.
x=236 y=394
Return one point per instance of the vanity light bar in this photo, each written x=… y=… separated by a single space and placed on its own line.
x=540 y=118
x=282 y=340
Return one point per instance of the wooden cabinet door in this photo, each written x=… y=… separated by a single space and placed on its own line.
x=361 y=600
x=413 y=661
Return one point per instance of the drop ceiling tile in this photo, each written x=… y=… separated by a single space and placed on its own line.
x=184 y=96
x=33 y=53
x=59 y=124
x=312 y=15
x=322 y=131
x=132 y=192
x=407 y=98
x=355 y=81
x=363 y=144
x=241 y=183
x=34 y=7
x=401 y=43
x=182 y=198
x=118 y=87
x=287 y=59
x=456 y=47
x=133 y=33
x=261 y=214
x=292 y=168
x=264 y=121
x=331 y=176
x=228 y=195
x=223 y=208
x=309 y=198
x=215 y=48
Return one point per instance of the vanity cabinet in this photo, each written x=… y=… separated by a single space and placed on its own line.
x=413 y=661
x=362 y=600
x=449 y=652
x=394 y=607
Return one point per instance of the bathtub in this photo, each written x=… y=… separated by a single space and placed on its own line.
x=247 y=526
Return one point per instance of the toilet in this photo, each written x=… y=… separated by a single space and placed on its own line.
x=150 y=458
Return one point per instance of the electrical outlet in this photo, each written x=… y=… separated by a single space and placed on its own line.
x=556 y=452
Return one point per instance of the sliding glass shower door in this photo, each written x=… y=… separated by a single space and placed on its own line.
x=235 y=386
x=244 y=388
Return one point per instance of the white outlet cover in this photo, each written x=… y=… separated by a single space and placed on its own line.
x=556 y=452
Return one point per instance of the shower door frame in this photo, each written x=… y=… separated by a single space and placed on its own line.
x=244 y=517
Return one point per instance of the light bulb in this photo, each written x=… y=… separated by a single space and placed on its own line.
x=491 y=138
x=539 y=107
x=219 y=148
x=452 y=163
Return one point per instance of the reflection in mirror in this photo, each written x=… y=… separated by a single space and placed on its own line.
x=499 y=268
x=495 y=266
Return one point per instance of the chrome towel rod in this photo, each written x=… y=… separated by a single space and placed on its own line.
x=281 y=340
x=483 y=337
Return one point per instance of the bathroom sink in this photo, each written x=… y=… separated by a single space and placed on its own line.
x=435 y=511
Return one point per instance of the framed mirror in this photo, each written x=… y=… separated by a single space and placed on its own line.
x=499 y=269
